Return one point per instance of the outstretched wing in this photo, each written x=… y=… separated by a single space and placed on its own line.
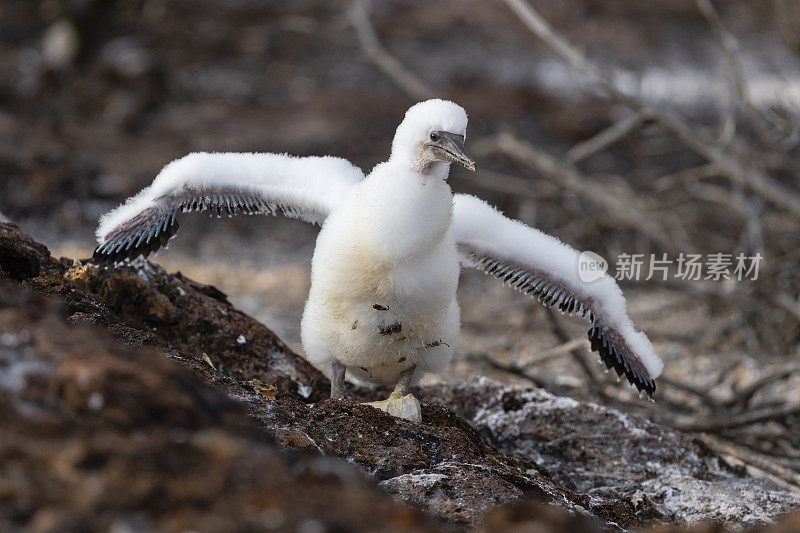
x=308 y=188
x=544 y=267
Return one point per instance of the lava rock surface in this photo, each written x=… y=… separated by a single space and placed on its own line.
x=137 y=398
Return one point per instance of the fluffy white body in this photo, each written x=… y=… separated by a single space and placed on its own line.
x=397 y=272
x=382 y=304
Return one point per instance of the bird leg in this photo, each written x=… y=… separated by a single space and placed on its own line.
x=401 y=403
x=337 y=380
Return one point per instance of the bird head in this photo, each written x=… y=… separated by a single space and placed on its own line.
x=432 y=132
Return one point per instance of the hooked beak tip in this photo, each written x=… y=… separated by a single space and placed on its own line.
x=450 y=147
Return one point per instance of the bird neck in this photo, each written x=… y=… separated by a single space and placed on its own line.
x=400 y=212
x=431 y=169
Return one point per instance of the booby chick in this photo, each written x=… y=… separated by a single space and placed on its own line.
x=382 y=304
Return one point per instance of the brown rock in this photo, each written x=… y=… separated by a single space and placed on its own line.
x=97 y=425
x=97 y=436
x=20 y=256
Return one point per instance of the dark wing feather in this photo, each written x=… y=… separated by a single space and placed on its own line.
x=613 y=349
x=152 y=227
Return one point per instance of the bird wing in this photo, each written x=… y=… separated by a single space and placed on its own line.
x=542 y=266
x=308 y=188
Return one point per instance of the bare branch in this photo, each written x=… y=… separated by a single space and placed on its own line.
x=750 y=458
x=729 y=164
x=705 y=171
x=720 y=421
x=505 y=183
x=786 y=26
x=606 y=138
x=694 y=391
x=576 y=354
x=375 y=52
x=728 y=45
x=554 y=353
x=510 y=369
x=624 y=208
x=791 y=305
x=745 y=395
x=542 y=29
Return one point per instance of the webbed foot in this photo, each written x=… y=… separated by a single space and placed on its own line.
x=401 y=406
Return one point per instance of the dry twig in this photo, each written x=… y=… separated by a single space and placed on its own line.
x=721 y=420
x=785 y=301
x=694 y=391
x=756 y=460
x=625 y=209
x=554 y=352
x=786 y=26
x=510 y=369
x=576 y=354
x=746 y=394
x=728 y=45
x=729 y=164
x=375 y=52
x=609 y=136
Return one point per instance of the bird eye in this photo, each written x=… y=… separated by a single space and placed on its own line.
x=434 y=136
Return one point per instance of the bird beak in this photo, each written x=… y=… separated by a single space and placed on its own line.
x=450 y=147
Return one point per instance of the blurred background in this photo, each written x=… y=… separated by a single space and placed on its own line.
x=637 y=127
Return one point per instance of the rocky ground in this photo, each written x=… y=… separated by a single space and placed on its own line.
x=97 y=95
x=136 y=399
